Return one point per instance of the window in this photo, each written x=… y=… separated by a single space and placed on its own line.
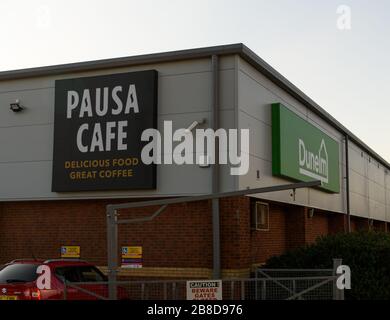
x=69 y=274
x=260 y=216
x=91 y=274
x=19 y=272
x=80 y=274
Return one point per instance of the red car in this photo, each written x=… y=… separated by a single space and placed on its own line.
x=18 y=281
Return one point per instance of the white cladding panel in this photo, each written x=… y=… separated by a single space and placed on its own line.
x=367 y=185
x=256 y=93
x=184 y=95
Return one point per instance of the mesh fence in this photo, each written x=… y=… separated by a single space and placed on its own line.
x=264 y=287
x=305 y=284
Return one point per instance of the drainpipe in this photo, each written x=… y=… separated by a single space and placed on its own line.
x=215 y=170
x=347 y=184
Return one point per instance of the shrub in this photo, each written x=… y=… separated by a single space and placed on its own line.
x=366 y=253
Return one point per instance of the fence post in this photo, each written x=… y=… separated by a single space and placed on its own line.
x=165 y=291
x=242 y=290
x=174 y=290
x=65 y=291
x=256 y=285
x=264 y=290
x=294 y=287
x=337 y=293
x=143 y=291
x=112 y=254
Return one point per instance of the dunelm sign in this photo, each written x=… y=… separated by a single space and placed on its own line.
x=97 y=132
x=302 y=152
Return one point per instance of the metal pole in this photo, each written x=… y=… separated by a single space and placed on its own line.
x=143 y=291
x=115 y=253
x=147 y=203
x=215 y=171
x=264 y=290
x=216 y=240
x=337 y=294
x=347 y=184
x=65 y=290
x=111 y=253
x=174 y=290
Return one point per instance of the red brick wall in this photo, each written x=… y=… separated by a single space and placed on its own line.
x=265 y=244
x=337 y=223
x=235 y=232
x=180 y=237
x=316 y=226
x=40 y=228
x=379 y=226
x=295 y=227
x=358 y=223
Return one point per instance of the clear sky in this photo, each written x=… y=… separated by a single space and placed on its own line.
x=346 y=71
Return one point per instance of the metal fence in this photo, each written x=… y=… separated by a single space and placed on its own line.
x=303 y=284
x=281 y=286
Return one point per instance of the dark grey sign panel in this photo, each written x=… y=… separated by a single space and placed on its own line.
x=97 y=132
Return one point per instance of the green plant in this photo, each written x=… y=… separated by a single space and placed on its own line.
x=366 y=253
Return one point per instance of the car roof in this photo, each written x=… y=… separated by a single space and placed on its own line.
x=67 y=262
x=51 y=262
x=26 y=261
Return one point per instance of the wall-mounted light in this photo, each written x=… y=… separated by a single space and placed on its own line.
x=15 y=106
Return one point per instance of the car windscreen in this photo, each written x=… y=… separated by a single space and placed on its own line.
x=80 y=274
x=19 y=272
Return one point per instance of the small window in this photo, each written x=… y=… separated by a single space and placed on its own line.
x=260 y=216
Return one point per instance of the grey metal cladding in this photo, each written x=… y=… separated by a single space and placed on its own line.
x=238 y=48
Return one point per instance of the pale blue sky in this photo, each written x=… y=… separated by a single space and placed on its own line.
x=346 y=72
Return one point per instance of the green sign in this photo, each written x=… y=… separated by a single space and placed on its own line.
x=302 y=152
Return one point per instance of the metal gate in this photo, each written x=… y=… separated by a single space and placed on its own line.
x=113 y=221
x=268 y=284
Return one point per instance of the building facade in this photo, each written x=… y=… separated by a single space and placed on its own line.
x=50 y=197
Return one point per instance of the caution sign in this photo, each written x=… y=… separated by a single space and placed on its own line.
x=204 y=290
x=132 y=257
x=70 y=252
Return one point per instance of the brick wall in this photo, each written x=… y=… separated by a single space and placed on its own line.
x=235 y=232
x=295 y=227
x=179 y=240
x=40 y=228
x=181 y=236
x=265 y=244
x=337 y=223
x=316 y=226
x=379 y=226
x=358 y=224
